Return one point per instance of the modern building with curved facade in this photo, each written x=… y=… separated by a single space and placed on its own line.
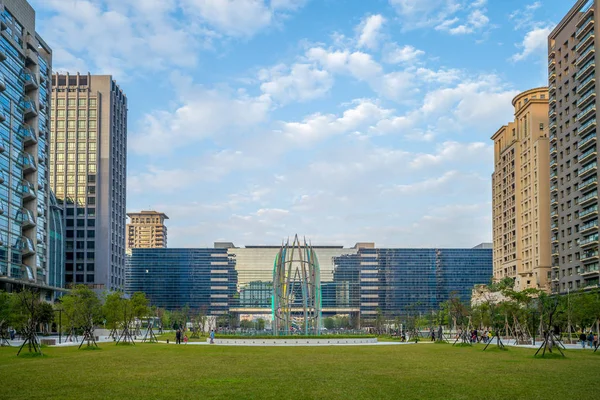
x=56 y=246
x=25 y=87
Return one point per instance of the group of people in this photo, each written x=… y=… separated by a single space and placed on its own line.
x=591 y=339
x=179 y=334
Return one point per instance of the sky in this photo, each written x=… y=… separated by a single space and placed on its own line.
x=340 y=120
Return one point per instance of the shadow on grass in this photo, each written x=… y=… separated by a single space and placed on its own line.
x=550 y=356
x=90 y=348
x=32 y=355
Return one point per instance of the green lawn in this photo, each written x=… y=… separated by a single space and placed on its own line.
x=423 y=371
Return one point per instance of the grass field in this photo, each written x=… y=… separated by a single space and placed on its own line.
x=423 y=371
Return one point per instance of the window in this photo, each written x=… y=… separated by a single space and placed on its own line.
x=82 y=114
x=71 y=102
x=81 y=102
x=61 y=113
x=60 y=124
x=61 y=102
x=92 y=102
x=81 y=125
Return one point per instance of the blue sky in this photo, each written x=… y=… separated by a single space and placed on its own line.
x=341 y=120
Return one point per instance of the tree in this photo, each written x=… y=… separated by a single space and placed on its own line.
x=26 y=315
x=46 y=315
x=329 y=323
x=85 y=309
x=112 y=311
x=5 y=316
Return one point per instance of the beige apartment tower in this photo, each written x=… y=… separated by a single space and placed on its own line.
x=521 y=194
x=88 y=161
x=572 y=50
x=146 y=230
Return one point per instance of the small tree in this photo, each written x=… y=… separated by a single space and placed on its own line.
x=112 y=311
x=85 y=309
x=26 y=306
x=5 y=316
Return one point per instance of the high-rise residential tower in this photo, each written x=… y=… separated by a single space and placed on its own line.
x=573 y=154
x=88 y=175
x=521 y=194
x=25 y=77
x=146 y=230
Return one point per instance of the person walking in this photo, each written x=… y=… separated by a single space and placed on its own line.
x=582 y=339
x=212 y=336
x=596 y=341
x=590 y=339
x=185 y=339
x=178 y=337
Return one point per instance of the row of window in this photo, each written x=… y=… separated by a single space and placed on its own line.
x=61 y=102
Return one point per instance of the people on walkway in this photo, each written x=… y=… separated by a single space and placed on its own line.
x=178 y=336
x=582 y=339
x=432 y=335
x=590 y=339
x=212 y=336
x=185 y=339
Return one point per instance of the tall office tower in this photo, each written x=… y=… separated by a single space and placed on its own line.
x=521 y=194
x=574 y=178
x=25 y=67
x=88 y=172
x=146 y=230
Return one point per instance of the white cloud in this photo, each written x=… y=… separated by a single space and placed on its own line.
x=301 y=82
x=523 y=18
x=369 y=32
x=535 y=42
x=201 y=113
x=452 y=152
x=408 y=54
x=320 y=126
x=239 y=17
x=420 y=14
x=475 y=21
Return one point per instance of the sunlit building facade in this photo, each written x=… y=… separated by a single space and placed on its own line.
x=146 y=230
x=25 y=85
x=88 y=159
x=521 y=194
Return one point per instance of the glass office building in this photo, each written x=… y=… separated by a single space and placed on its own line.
x=56 y=264
x=360 y=280
x=25 y=76
x=400 y=281
x=174 y=278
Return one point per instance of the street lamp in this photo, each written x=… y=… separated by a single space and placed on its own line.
x=59 y=309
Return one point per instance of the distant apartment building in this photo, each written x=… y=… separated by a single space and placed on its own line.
x=146 y=230
x=573 y=114
x=25 y=79
x=521 y=194
x=88 y=175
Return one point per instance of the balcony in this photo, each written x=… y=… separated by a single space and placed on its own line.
x=554 y=202
x=588 y=213
x=588 y=184
x=553 y=164
x=553 y=176
x=29 y=136
x=589 y=198
x=589 y=66
x=26 y=246
x=590 y=226
x=583 y=100
x=552 y=101
x=587 y=39
x=587 y=155
x=587 y=112
x=553 y=151
x=589 y=255
x=586 y=55
x=589 y=241
x=28 y=190
x=26 y=218
x=30 y=80
x=588 y=140
x=554 y=226
x=589 y=168
x=586 y=84
x=554 y=239
x=553 y=138
x=3 y=114
x=29 y=108
x=552 y=89
x=590 y=270
x=552 y=113
x=552 y=77
x=32 y=57
x=553 y=189
x=589 y=22
x=28 y=163
x=554 y=214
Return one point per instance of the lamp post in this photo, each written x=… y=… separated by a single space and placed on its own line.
x=59 y=309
